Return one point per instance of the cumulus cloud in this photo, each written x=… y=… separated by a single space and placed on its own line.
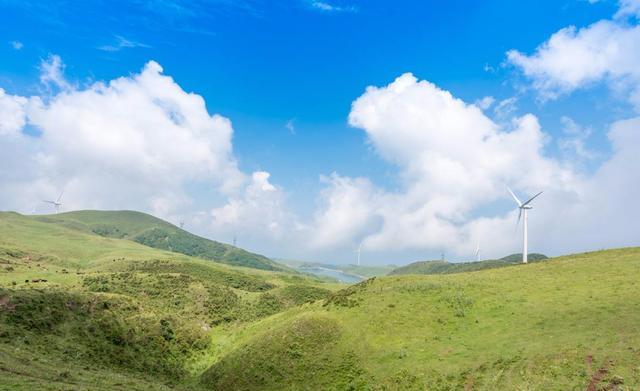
x=606 y=51
x=628 y=8
x=573 y=142
x=134 y=142
x=455 y=163
x=12 y=114
x=258 y=212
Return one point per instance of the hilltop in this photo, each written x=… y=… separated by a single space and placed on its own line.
x=153 y=232
x=444 y=267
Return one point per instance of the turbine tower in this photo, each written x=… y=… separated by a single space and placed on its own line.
x=57 y=204
x=359 y=250
x=523 y=207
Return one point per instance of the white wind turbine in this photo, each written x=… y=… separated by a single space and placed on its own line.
x=477 y=252
x=358 y=251
x=524 y=207
x=57 y=203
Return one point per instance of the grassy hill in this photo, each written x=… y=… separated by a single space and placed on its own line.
x=154 y=232
x=444 y=267
x=82 y=310
x=564 y=324
x=115 y=314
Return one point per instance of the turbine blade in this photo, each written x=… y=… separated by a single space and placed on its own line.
x=60 y=197
x=514 y=197
x=531 y=199
x=519 y=217
x=48 y=202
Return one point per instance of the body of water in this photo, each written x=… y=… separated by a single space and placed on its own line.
x=337 y=274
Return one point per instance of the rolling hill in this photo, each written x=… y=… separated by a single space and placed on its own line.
x=83 y=311
x=154 y=232
x=444 y=267
x=569 y=323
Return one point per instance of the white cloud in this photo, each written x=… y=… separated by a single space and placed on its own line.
x=12 y=114
x=606 y=51
x=135 y=142
x=485 y=102
x=258 y=211
x=454 y=163
x=122 y=43
x=16 y=45
x=290 y=125
x=628 y=8
x=328 y=7
x=573 y=144
x=52 y=73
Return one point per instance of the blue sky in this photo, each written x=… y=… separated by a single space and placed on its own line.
x=286 y=73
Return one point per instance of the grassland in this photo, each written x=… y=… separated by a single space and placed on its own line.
x=114 y=314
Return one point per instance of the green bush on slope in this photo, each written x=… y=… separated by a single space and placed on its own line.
x=303 y=354
x=104 y=330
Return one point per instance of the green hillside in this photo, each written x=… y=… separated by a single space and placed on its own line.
x=557 y=325
x=84 y=312
x=154 y=232
x=80 y=309
x=444 y=267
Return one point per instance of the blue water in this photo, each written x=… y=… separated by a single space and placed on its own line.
x=337 y=274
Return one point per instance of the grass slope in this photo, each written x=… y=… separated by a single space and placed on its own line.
x=570 y=323
x=153 y=232
x=444 y=267
x=93 y=312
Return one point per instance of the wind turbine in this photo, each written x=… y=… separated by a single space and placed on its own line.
x=359 y=250
x=477 y=252
x=524 y=207
x=57 y=203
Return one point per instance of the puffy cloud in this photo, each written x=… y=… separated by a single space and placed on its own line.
x=608 y=50
x=134 y=142
x=485 y=102
x=348 y=209
x=258 y=212
x=52 y=73
x=455 y=163
x=628 y=8
x=12 y=114
x=573 y=144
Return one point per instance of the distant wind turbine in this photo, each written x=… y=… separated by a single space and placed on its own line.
x=523 y=207
x=477 y=252
x=57 y=204
x=359 y=250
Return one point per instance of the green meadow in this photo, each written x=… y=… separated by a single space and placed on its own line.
x=118 y=313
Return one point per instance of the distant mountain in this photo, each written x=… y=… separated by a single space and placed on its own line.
x=444 y=267
x=154 y=232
